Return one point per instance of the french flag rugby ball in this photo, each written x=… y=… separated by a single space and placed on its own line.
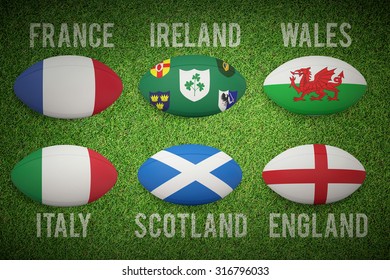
x=192 y=86
x=314 y=174
x=315 y=85
x=64 y=175
x=68 y=87
x=190 y=174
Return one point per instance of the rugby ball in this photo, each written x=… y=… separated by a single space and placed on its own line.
x=314 y=174
x=68 y=87
x=315 y=85
x=192 y=86
x=64 y=175
x=190 y=174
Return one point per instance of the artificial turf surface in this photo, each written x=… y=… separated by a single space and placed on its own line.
x=253 y=132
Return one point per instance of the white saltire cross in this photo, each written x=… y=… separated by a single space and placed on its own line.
x=190 y=172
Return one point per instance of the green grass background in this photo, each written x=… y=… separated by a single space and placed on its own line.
x=253 y=132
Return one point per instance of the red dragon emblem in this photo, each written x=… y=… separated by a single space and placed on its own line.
x=322 y=81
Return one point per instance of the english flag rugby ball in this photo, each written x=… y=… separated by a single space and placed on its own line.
x=64 y=175
x=315 y=85
x=314 y=174
x=190 y=174
x=192 y=86
x=68 y=87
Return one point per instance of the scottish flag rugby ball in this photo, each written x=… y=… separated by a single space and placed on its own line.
x=190 y=174
x=68 y=87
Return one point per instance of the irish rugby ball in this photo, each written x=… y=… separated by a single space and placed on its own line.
x=64 y=175
x=68 y=87
x=192 y=86
x=314 y=174
x=315 y=85
x=190 y=174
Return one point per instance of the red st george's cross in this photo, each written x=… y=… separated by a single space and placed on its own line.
x=321 y=175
